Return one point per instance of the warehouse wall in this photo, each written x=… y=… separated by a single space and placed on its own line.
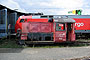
x=12 y=17
x=6 y=18
x=3 y=23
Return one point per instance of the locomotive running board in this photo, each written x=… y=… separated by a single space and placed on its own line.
x=39 y=42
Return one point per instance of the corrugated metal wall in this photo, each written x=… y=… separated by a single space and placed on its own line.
x=3 y=23
x=12 y=17
x=6 y=19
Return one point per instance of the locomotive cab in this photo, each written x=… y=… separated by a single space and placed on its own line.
x=64 y=30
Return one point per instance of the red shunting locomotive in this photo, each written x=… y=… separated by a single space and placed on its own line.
x=44 y=30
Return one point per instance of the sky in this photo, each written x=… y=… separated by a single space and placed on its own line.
x=48 y=7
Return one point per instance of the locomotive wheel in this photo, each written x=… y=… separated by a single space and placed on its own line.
x=18 y=35
x=21 y=42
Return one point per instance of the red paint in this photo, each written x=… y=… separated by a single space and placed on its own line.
x=18 y=25
x=82 y=23
x=60 y=36
x=36 y=27
x=37 y=20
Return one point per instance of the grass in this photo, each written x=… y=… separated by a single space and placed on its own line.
x=59 y=45
x=6 y=43
x=45 y=46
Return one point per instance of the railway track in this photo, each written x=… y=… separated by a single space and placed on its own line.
x=77 y=43
x=85 y=42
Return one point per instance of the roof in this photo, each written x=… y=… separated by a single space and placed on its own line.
x=63 y=20
x=65 y=16
x=25 y=17
x=21 y=13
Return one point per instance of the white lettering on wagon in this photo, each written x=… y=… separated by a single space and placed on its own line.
x=79 y=24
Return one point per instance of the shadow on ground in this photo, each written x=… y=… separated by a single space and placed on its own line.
x=10 y=50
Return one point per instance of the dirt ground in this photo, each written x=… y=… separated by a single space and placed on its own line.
x=64 y=53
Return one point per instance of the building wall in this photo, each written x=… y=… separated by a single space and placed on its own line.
x=6 y=18
x=3 y=23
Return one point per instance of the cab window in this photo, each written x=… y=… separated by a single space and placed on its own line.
x=60 y=26
x=22 y=20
